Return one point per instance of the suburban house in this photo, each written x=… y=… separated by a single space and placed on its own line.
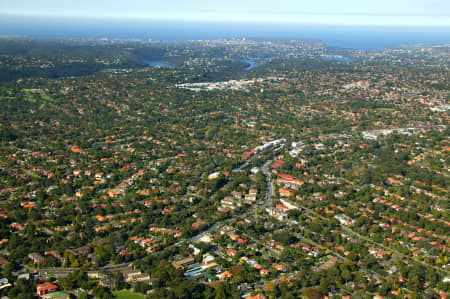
x=37 y=258
x=46 y=288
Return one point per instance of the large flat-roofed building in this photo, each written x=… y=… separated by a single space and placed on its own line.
x=183 y=263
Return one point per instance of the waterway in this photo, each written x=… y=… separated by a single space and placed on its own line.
x=336 y=57
x=252 y=63
x=157 y=63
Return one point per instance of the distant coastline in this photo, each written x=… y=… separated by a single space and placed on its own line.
x=363 y=38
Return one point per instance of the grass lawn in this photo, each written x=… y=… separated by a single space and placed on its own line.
x=386 y=109
x=127 y=294
x=29 y=95
x=46 y=97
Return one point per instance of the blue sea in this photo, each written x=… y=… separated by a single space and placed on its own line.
x=357 y=37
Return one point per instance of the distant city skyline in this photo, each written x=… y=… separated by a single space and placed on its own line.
x=349 y=12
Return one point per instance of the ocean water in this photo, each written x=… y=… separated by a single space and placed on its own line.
x=357 y=37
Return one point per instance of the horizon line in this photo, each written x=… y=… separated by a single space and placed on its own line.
x=239 y=21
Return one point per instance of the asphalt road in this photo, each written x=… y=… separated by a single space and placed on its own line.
x=267 y=200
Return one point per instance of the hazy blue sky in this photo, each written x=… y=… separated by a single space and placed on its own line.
x=360 y=12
